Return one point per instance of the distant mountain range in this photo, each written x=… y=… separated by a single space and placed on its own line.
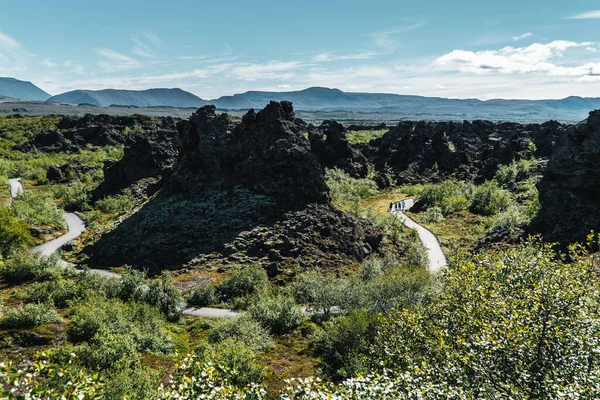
x=320 y=99
x=11 y=87
x=143 y=98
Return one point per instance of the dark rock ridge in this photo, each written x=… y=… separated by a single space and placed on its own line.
x=75 y=133
x=68 y=172
x=251 y=192
x=151 y=155
x=570 y=188
x=433 y=151
x=329 y=144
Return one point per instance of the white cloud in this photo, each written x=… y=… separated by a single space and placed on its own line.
x=146 y=44
x=284 y=87
x=270 y=70
x=75 y=67
x=113 y=61
x=384 y=39
x=331 y=56
x=523 y=36
x=594 y=14
x=13 y=56
x=441 y=87
x=48 y=63
x=536 y=58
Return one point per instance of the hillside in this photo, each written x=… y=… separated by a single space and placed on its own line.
x=325 y=99
x=143 y=98
x=11 y=87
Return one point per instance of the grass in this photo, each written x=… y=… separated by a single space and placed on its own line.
x=356 y=137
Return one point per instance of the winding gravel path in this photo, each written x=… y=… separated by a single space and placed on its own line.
x=435 y=255
x=76 y=226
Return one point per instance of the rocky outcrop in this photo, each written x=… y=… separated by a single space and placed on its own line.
x=145 y=156
x=570 y=188
x=68 y=172
x=75 y=133
x=433 y=151
x=329 y=144
x=251 y=192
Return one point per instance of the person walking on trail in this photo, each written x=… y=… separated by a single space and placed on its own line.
x=391 y=207
x=403 y=206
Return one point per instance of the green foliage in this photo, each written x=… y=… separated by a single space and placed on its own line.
x=115 y=204
x=515 y=171
x=30 y=316
x=489 y=199
x=144 y=324
x=372 y=267
x=320 y=292
x=202 y=295
x=26 y=266
x=346 y=191
x=343 y=344
x=278 y=314
x=235 y=361
x=75 y=197
x=108 y=350
x=14 y=233
x=364 y=136
x=242 y=329
x=245 y=281
x=449 y=196
x=433 y=215
x=38 y=209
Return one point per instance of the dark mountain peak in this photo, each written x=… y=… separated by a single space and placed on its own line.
x=140 y=98
x=23 y=90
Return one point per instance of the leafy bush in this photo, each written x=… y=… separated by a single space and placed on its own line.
x=346 y=191
x=115 y=204
x=14 y=233
x=143 y=323
x=244 y=281
x=513 y=172
x=242 y=329
x=75 y=197
x=279 y=314
x=343 y=344
x=202 y=295
x=108 y=350
x=449 y=196
x=372 y=267
x=38 y=209
x=166 y=297
x=30 y=316
x=235 y=361
x=321 y=293
x=489 y=199
x=26 y=266
x=433 y=215
x=514 y=215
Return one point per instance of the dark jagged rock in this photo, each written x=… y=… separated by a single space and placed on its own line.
x=570 y=188
x=251 y=192
x=145 y=156
x=75 y=133
x=329 y=144
x=434 y=151
x=68 y=172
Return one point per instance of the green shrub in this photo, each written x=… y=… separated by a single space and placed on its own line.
x=514 y=215
x=142 y=322
x=433 y=215
x=166 y=297
x=132 y=384
x=513 y=172
x=321 y=293
x=278 y=314
x=30 y=316
x=58 y=292
x=203 y=295
x=108 y=350
x=115 y=204
x=75 y=197
x=26 y=266
x=344 y=343
x=449 y=196
x=244 y=281
x=489 y=199
x=346 y=191
x=235 y=362
x=38 y=209
x=372 y=267
x=14 y=233
x=242 y=329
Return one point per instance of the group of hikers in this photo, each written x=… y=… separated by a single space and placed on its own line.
x=398 y=206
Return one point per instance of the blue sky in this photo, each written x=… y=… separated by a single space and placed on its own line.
x=483 y=49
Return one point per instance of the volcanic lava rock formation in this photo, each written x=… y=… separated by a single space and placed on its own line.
x=433 y=151
x=246 y=193
x=75 y=133
x=329 y=144
x=570 y=188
